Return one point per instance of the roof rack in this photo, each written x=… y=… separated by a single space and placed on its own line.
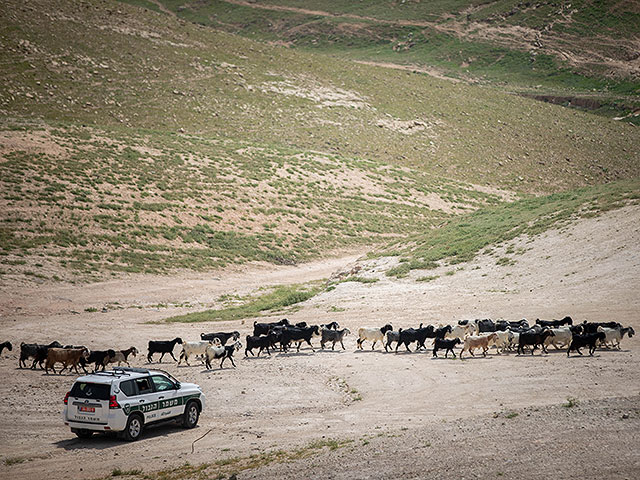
x=110 y=373
x=131 y=369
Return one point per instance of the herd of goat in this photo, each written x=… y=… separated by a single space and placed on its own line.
x=472 y=335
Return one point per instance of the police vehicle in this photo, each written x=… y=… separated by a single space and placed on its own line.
x=125 y=400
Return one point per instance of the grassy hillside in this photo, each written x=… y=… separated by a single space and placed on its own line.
x=462 y=237
x=552 y=48
x=139 y=201
x=134 y=141
x=95 y=66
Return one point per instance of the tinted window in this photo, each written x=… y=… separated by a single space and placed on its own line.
x=144 y=385
x=95 y=391
x=128 y=388
x=162 y=383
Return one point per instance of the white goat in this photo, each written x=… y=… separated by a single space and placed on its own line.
x=196 y=348
x=561 y=338
x=372 y=334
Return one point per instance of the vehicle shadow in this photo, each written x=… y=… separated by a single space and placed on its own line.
x=103 y=441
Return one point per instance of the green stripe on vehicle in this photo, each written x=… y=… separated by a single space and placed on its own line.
x=161 y=404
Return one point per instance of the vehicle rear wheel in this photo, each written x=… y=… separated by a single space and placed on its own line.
x=191 y=415
x=82 y=433
x=134 y=427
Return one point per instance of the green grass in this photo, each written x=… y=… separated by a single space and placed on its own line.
x=276 y=299
x=360 y=279
x=117 y=472
x=428 y=278
x=463 y=237
x=571 y=402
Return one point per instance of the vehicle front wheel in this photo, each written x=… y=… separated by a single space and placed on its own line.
x=191 y=415
x=82 y=433
x=134 y=427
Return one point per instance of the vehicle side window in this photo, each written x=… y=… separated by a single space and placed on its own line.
x=162 y=383
x=144 y=385
x=128 y=388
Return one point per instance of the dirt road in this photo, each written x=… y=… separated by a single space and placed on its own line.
x=588 y=270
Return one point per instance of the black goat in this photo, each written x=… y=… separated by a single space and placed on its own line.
x=301 y=325
x=592 y=327
x=533 y=338
x=6 y=345
x=503 y=325
x=264 y=328
x=447 y=345
x=442 y=331
x=263 y=342
x=330 y=326
x=299 y=335
x=418 y=335
x=100 y=358
x=222 y=352
x=222 y=336
x=576 y=329
x=36 y=351
x=407 y=336
x=162 y=346
x=555 y=323
x=588 y=339
x=485 y=325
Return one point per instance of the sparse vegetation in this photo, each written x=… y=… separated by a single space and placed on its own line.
x=571 y=402
x=258 y=153
x=234 y=465
x=276 y=299
x=118 y=472
x=463 y=237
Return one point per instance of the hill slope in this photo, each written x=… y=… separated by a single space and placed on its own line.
x=581 y=53
x=135 y=141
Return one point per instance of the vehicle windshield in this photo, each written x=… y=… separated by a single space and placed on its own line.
x=95 y=391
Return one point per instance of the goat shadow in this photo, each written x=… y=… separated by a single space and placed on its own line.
x=409 y=352
x=328 y=350
x=256 y=357
x=295 y=354
x=584 y=355
x=103 y=441
x=368 y=351
x=189 y=366
x=478 y=357
x=218 y=369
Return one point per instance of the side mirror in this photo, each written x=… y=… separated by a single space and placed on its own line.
x=178 y=386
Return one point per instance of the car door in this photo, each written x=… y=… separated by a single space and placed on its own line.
x=170 y=402
x=146 y=400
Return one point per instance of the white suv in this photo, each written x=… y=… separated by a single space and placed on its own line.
x=126 y=399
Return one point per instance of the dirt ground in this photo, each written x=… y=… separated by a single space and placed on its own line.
x=402 y=415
